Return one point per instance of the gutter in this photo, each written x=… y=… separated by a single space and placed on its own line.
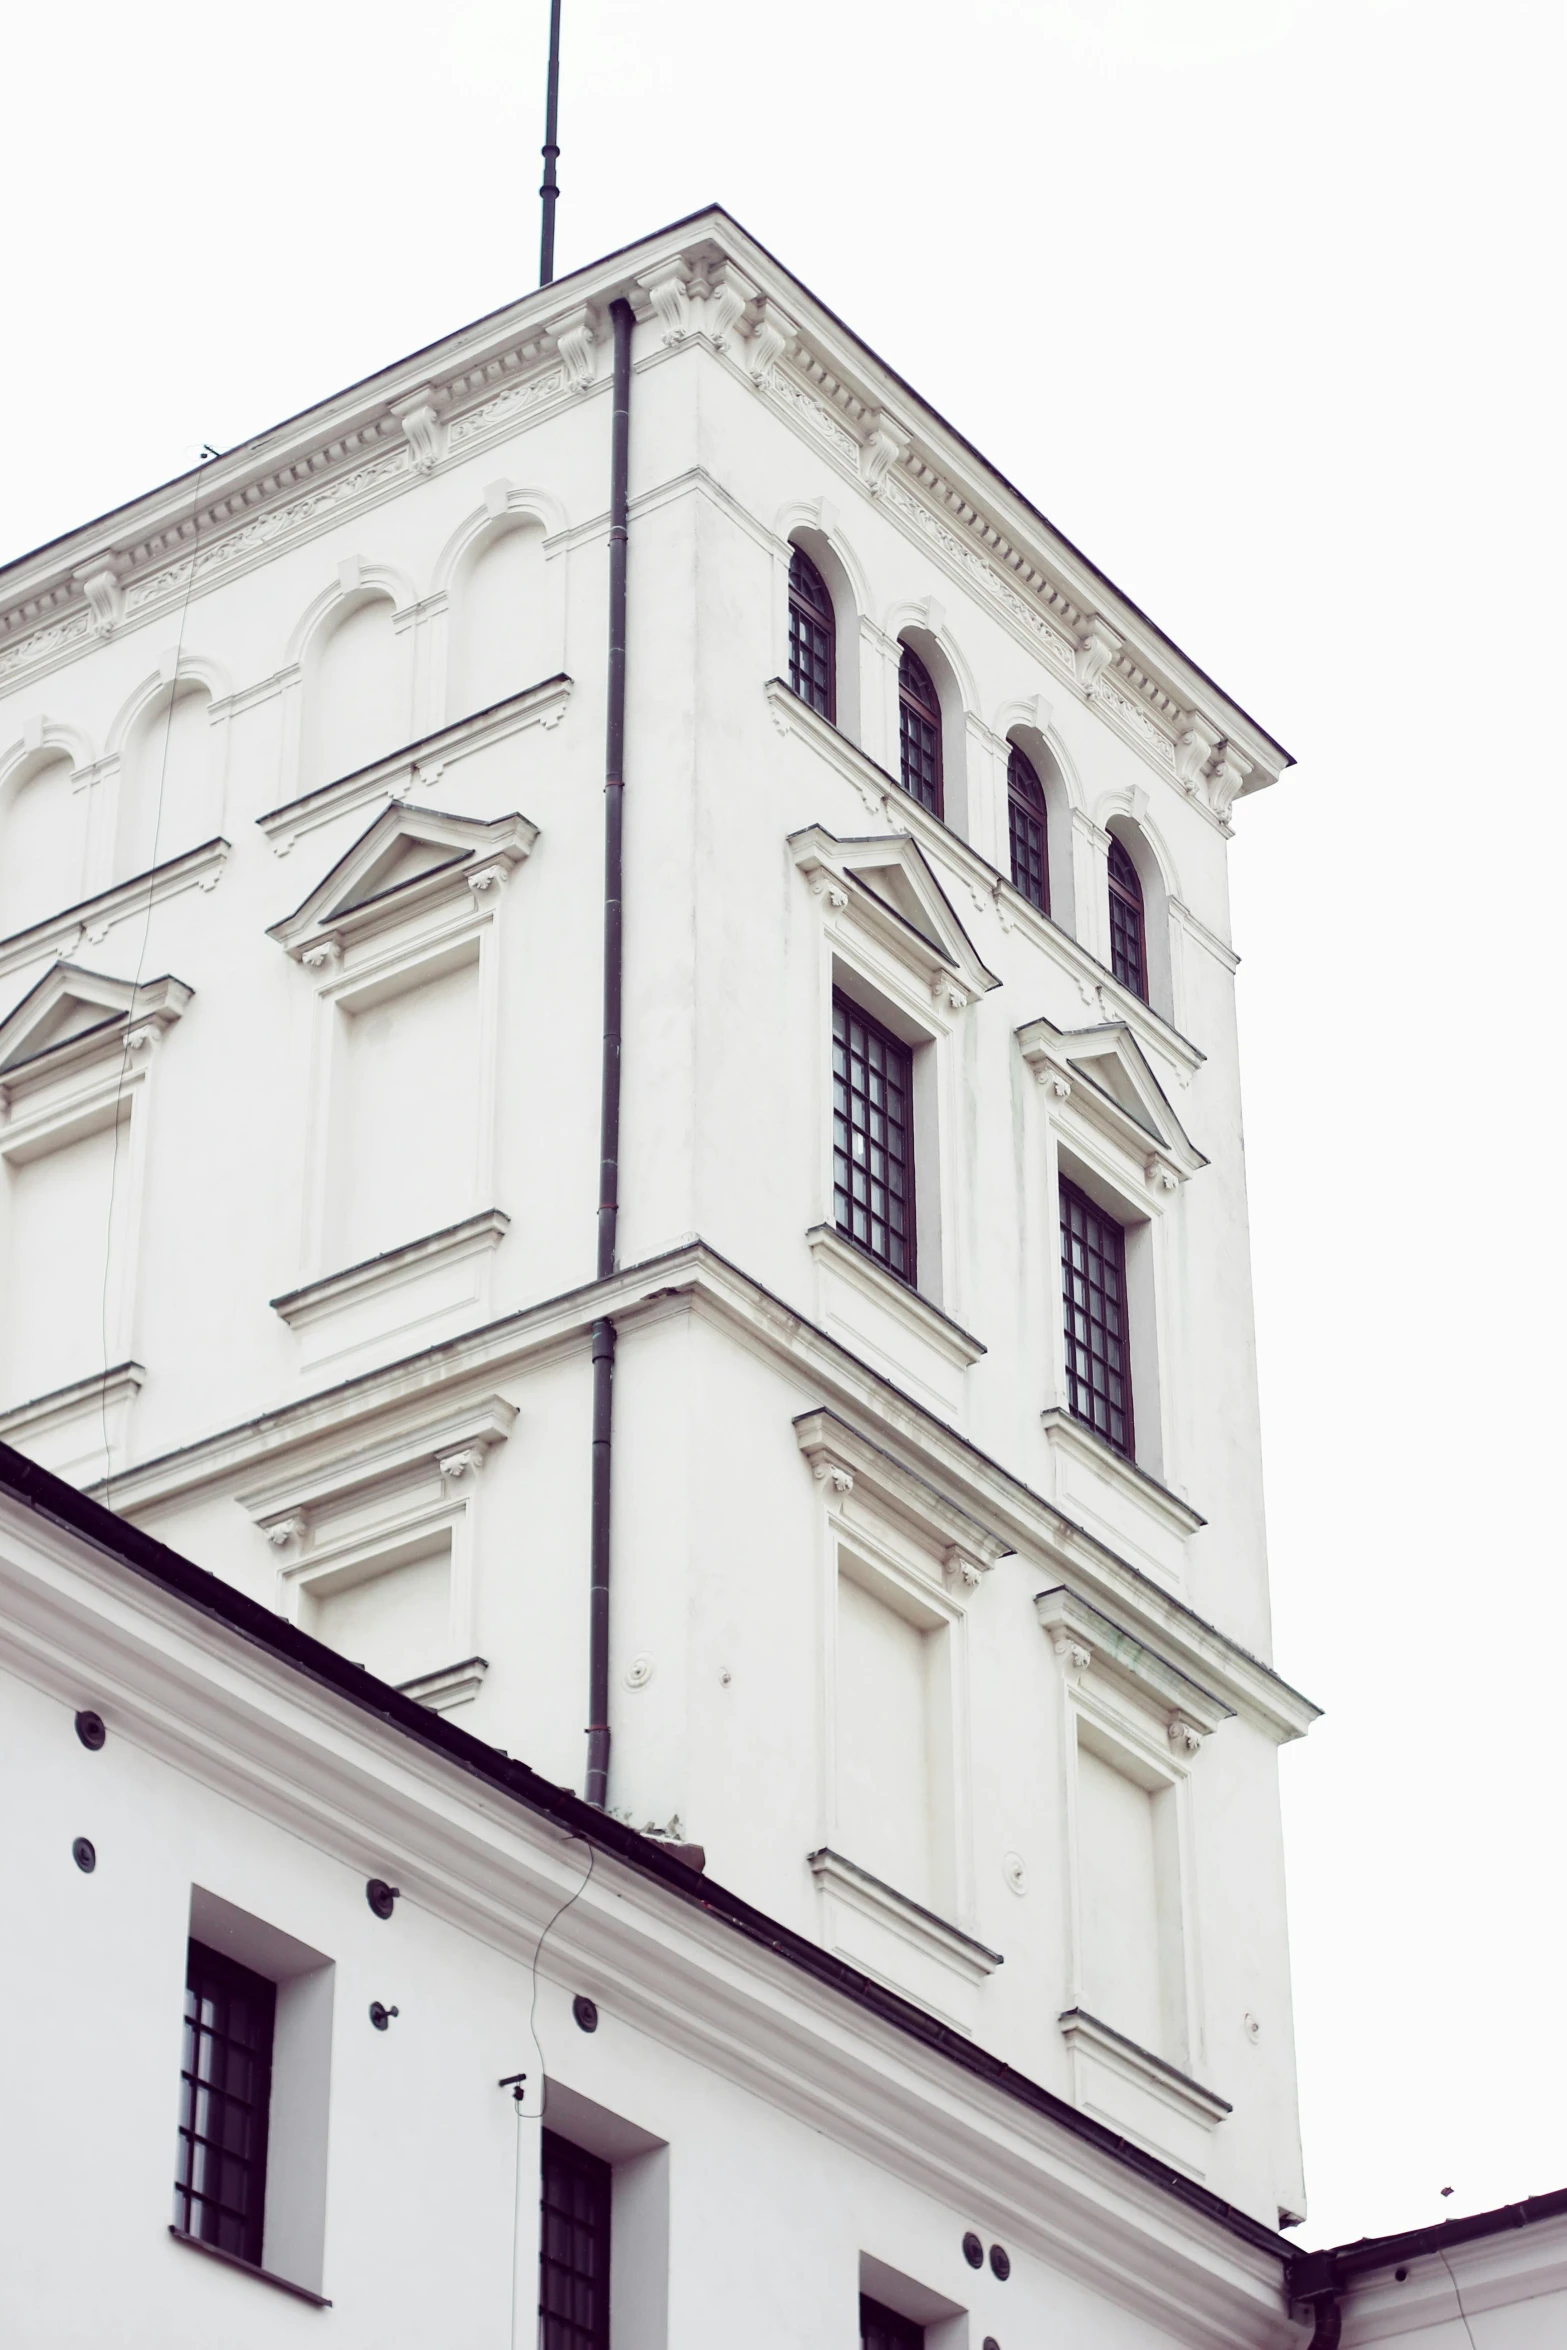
x=208 y=1595
x=1320 y=2276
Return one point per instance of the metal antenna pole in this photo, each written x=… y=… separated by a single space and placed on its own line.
x=550 y=189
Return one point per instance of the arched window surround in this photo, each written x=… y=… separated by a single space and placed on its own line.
x=813 y=636
x=812 y=532
x=921 y=630
x=1146 y=856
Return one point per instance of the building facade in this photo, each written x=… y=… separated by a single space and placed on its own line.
x=938 y=1618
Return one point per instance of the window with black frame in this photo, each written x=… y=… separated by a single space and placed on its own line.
x=872 y=1138
x=1026 y=822
x=1128 y=944
x=225 y=2093
x=813 y=664
x=1093 y=1296
x=884 y=2329
x=574 y=2207
x=919 y=732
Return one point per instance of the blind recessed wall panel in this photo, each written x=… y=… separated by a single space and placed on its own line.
x=405 y=1116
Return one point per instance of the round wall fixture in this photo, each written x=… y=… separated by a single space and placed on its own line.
x=586 y=2013
x=1015 y=1870
x=639 y=1672
x=381 y=1896
x=83 y=1854
x=90 y=1730
x=381 y=2016
x=1000 y=2262
x=973 y=2250
x=1253 y=2029
x=990 y=2343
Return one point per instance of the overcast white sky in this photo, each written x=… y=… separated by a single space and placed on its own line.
x=1246 y=295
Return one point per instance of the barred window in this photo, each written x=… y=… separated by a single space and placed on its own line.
x=1128 y=960
x=884 y=2329
x=1093 y=1291
x=919 y=732
x=813 y=665
x=573 y=2248
x=1026 y=814
x=872 y=1138
x=225 y=2092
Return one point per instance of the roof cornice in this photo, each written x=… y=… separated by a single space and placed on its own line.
x=700 y=276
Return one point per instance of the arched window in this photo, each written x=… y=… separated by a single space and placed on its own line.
x=1128 y=958
x=813 y=663
x=1026 y=816
x=919 y=732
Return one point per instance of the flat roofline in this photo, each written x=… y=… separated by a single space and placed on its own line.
x=712 y=211
x=61 y=1504
x=1312 y=2274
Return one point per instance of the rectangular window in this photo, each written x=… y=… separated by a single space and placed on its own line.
x=573 y=2248
x=225 y=2096
x=884 y=2329
x=873 y=1138
x=1029 y=872
x=1093 y=1291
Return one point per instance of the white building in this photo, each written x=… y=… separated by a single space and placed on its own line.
x=937 y=1611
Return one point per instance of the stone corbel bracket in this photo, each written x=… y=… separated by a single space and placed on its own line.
x=1084 y=1639
x=845 y=1463
x=575 y=335
x=668 y=289
x=1097 y=647
x=99 y=580
x=772 y=337
x=423 y=425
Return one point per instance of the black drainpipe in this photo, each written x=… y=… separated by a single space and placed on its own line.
x=609 y=1090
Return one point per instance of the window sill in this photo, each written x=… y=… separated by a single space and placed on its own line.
x=91 y=920
x=828 y=1246
x=449 y=1686
x=417 y=764
x=472 y=1237
x=1084 y=2032
x=933 y=1936
x=248 y=2268
x=1072 y=1436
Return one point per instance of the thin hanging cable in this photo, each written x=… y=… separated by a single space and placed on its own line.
x=141 y=956
x=1457 y=2296
x=544 y=2086
x=550 y=190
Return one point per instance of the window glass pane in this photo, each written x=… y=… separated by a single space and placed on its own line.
x=812 y=636
x=919 y=730
x=873 y=1138
x=1128 y=959
x=574 y=2209
x=1093 y=1291
x=225 y=2091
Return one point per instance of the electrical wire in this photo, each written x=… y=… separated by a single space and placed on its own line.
x=141 y=956
x=544 y=2084
x=1457 y=2296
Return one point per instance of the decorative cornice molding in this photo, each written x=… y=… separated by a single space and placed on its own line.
x=1084 y=1638
x=691 y=1276
x=474 y=1236
x=934 y=1936
x=845 y=1462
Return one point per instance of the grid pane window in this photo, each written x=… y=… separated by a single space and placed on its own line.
x=919 y=732
x=812 y=637
x=1093 y=1291
x=884 y=2329
x=1026 y=816
x=1128 y=959
x=225 y=2090
x=573 y=2248
x=873 y=1138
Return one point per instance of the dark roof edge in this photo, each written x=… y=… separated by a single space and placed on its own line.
x=207 y=1593
x=602 y=261
x=1312 y=2274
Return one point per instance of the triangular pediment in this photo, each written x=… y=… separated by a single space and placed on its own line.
x=890 y=882
x=72 y=1013
x=406 y=857
x=1108 y=1076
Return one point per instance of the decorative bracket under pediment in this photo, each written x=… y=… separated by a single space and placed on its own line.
x=407 y=859
x=1102 y=1078
x=884 y=888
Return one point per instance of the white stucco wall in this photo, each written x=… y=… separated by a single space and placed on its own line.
x=438 y=1407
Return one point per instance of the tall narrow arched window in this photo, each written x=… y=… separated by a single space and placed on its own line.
x=919 y=732
x=1026 y=819
x=813 y=664
x=1128 y=954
